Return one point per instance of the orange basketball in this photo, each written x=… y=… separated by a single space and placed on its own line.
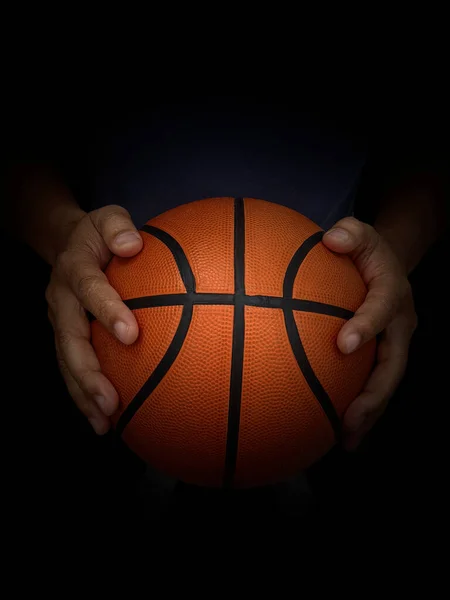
x=235 y=378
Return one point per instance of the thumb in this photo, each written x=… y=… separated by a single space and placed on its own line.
x=350 y=236
x=117 y=230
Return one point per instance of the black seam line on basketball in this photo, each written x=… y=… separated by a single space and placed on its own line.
x=295 y=339
x=308 y=373
x=161 y=370
x=258 y=301
x=296 y=261
x=178 y=253
x=237 y=351
x=299 y=305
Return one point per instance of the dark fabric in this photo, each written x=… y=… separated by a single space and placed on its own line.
x=175 y=154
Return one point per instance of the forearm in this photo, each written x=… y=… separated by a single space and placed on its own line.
x=412 y=218
x=43 y=210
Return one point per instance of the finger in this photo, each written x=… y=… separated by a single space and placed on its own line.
x=72 y=332
x=370 y=252
x=391 y=364
x=90 y=285
x=381 y=273
x=99 y=422
x=373 y=316
x=117 y=229
x=352 y=440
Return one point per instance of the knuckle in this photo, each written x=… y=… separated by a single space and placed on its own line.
x=86 y=285
x=374 y=319
x=387 y=305
x=50 y=295
x=370 y=237
x=116 y=209
x=106 y=311
x=112 y=217
x=83 y=379
x=362 y=230
x=351 y=221
x=62 y=366
x=378 y=402
x=65 y=262
x=358 y=227
x=366 y=236
x=369 y=325
x=64 y=341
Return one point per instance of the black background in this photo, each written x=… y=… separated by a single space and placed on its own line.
x=63 y=481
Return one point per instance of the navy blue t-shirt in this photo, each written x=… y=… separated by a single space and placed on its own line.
x=157 y=159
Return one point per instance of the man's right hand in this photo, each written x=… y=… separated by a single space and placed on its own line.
x=77 y=284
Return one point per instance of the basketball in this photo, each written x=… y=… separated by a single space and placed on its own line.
x=235 y=379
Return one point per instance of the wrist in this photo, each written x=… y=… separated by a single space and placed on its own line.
x=62 y=221
x=43 y=212
x=411 y=220
x=399 y=245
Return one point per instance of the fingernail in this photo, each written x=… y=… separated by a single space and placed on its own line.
x=352 y=341
x=126 y=238
x=340 y=235
x=98 y=425
x=121 y=331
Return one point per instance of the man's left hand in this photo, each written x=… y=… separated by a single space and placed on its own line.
x=387 y=310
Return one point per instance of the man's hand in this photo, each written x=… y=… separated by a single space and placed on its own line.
x=78 y=283
x=388 y=309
